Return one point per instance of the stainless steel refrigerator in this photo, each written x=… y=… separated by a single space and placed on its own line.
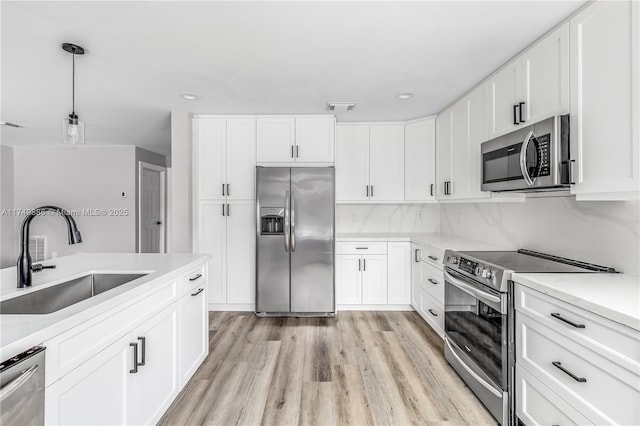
x=295 y=241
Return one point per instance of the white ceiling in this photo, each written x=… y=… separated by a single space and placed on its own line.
x=248 y=58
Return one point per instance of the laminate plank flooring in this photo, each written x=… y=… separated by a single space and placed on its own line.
x=360 y=368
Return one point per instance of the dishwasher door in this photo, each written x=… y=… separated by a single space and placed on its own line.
x=22 y=388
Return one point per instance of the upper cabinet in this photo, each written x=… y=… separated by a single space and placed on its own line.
x=295 y=139
x=532 y=87
x=224 y=158
x=420 y=160
x=370 y=162
x=605 y=87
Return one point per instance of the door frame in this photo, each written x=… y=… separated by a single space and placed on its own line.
x=163 y=204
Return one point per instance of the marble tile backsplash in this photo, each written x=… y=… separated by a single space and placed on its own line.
x=606 y=233
x=387 y=218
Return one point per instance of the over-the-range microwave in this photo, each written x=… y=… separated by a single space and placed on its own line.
x=533 y=158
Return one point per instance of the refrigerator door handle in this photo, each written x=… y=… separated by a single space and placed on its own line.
x=286 y=222
x=293 y=221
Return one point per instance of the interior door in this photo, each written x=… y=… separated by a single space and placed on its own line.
x=312 y=235
x=151 y=208
x=386 y=157
x=352 y=162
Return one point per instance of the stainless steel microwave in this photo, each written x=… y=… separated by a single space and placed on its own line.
x=533 y=158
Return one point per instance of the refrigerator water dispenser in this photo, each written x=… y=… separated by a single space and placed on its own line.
x=271 y=221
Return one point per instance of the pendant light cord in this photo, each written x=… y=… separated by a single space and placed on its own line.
x=73 y=85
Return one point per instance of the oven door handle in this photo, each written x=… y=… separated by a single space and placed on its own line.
x=473 y=374
x=493 y=301
x=523 y=159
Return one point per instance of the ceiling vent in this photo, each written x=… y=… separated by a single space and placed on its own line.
x=340 y=106
x=38 y=248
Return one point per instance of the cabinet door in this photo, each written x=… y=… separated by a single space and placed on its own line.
x=209 y=156
x=315 y=139
x=416 y=277
x=399 y=273
x=241 y=252
x=505 y=90
x=477 y=103
x=194 y=333
x=155 y=385
x=420 y=160
x=275 y=140
x=386 y=162
x=352 y=162
x=605 y=42
x=443 y=151
x=73 y=400
x=348 y=279
x=374 y=279
x=241 y=159
x=210 y=238
x=459 y=166
x=545 y=77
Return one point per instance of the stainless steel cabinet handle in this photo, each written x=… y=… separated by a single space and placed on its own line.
x=576 y=325
x=432 y=313
x=223 y=189
x=371 y=190
x=135 y=358
x=228 y=190
x=293 y=221
x=559 y=366
x=431 y=189
x=432 y=281
x=362 y=248
x=200 y=290
x=515 y=114
x=228 y=210
x=143 y=343
x=223 y=210
x=572 y=176
x=520 y=109
x=292 y=156
x=417 y=256
x=367 y=190
x=195 y=278
x=297 y=151
x=432 y=257
x=359 y=266
x=364 y=264
x=286 y=222
x=16 y=383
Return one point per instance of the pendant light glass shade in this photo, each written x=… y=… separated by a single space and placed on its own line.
x=72 y=128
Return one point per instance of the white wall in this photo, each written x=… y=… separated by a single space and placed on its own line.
x=606 y=233
x=76 y=178
x=387 y=218
x=179 y=209
x=8 y=233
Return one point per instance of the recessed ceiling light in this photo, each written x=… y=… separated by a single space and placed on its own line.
x=188 y=96
x=404 y=96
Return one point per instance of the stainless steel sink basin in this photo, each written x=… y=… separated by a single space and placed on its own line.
x=64 y=294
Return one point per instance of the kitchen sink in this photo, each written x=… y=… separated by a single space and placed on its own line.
x=65 y=294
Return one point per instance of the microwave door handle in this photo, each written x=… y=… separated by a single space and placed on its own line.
x=523 y=159
x=286 y=222
x=494 y=301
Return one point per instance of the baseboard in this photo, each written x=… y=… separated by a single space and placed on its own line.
x=231 y=307
x=374 y=308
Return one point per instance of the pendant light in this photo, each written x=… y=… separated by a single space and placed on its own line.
x=72 y=127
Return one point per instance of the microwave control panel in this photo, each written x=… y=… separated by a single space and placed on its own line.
x=542 y=143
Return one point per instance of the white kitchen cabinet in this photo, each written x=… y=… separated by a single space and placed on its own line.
x=349 y=279
x=295 y=139
x=399 y=273
x=419 y=160
x=193 y=331
x=478 y=132
x=533 y=86
x=370 y=162
x=352 y=162
x=224 y=158
x=227 y=232
x=374 y=279
x=605 y=105
x=444 y=129
x=427 y=285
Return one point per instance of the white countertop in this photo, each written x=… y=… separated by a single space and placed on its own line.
x=434 y=239
x=613 y=296
x=20 y=332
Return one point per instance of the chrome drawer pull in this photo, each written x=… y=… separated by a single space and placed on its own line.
x=432 y=257
x=143 y=341
x=557 y=316
x=362 y=248
x=432 y=281
x=559 y=366
x=200 y=290
x=135 y=358
x=195 y=278
x=432 y=313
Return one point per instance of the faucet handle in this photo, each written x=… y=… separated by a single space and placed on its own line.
x=39 y=267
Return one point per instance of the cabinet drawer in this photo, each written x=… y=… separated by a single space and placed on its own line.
x=536 y=404
x=196 y=277
x=361 y=248
x=432 y=311
x=70 y=349
x=600 y=389
x=429 y=255
x=610 y=339
x=432 y=281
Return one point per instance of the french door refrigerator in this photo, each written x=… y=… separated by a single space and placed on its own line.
x=295 y=241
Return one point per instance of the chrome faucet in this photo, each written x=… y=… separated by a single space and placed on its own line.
x=24 y=260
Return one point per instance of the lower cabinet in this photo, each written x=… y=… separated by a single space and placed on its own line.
x=427 y=286
x=135 y=377
x=376 y=273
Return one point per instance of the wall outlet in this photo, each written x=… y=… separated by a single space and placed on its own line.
x=355 y=217
x=123 y=194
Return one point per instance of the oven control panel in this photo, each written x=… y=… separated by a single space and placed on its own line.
x=467 y=265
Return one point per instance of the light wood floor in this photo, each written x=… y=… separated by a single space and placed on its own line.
x=360 y=368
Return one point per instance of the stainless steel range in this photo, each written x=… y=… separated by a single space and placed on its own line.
x=479 y=319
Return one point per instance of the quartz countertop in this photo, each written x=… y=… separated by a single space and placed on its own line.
x=20 y=332
x=613 y=296
x=434 y=239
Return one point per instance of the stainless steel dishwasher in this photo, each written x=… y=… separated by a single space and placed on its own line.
x=22 y=388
